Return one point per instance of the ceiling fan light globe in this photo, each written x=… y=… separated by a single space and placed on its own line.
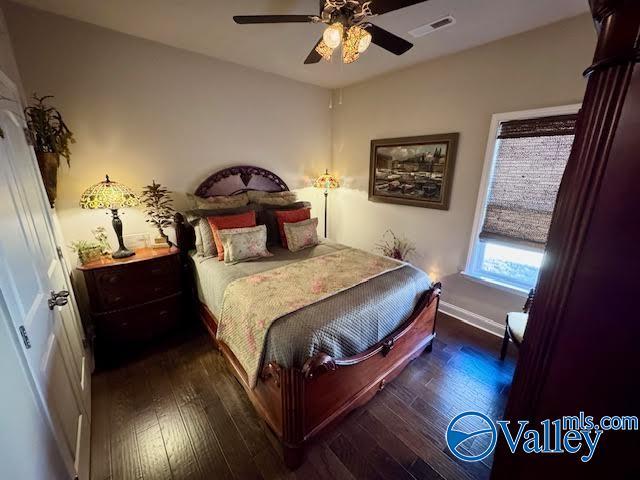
x=364 y=42
x=332 y=36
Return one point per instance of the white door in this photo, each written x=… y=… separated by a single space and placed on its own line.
x=30 y=270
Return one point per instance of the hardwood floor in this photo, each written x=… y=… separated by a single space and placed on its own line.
x=177 y=413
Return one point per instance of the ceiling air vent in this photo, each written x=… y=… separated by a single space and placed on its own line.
x=432 y=27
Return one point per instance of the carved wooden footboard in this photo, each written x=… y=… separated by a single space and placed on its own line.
x=297 y=404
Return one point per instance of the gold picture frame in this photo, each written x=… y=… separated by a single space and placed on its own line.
x=416 y=171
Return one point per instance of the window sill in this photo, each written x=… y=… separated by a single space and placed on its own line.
x=521 y=292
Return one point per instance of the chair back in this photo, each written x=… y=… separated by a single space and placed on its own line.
x=529 y=301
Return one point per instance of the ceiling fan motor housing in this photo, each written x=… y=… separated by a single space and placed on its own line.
x=346 y=12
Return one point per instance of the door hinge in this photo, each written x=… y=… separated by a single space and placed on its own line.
x=59 y=250
x=25 y=337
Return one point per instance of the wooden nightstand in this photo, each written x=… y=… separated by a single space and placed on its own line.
x=131 y=300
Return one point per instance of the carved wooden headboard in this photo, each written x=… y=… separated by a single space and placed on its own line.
x=235 y=180
x=230 y=181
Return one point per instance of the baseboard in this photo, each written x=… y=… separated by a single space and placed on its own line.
x=478 y=321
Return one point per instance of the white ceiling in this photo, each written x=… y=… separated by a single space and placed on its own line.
x=206 y=26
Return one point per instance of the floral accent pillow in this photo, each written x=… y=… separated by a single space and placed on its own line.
x=205 y=243
x=267 y=216
x=241 y=220
x=302 y=234
x=243 y=244
x=290 y=216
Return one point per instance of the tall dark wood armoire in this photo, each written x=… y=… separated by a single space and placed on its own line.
x=582 y=344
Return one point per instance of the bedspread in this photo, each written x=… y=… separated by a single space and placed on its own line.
x=342 y=325
x=251 y=304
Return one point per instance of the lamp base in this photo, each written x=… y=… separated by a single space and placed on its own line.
x=122 y=253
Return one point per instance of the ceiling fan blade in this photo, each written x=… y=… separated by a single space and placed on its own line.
x=378 y=7
x=388 y=40
x=255 y=19
x=314 y=57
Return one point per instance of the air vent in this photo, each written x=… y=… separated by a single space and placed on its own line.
x=433 y=26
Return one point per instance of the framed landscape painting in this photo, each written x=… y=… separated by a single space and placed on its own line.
x=414 y=171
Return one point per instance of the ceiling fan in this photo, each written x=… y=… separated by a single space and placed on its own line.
x=347 y=25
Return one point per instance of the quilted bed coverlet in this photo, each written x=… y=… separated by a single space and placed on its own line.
x=340 y=325
x=251 y=304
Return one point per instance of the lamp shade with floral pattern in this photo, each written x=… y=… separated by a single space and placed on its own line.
x=327 y=181
x=108 y=194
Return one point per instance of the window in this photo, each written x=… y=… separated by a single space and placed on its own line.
x=526 y=156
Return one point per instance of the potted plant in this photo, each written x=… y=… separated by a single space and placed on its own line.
x=51 y=138
x=100 y=234
x=87 y=251
x=159 y=208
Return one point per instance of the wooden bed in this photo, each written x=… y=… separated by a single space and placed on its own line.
x=298 y=403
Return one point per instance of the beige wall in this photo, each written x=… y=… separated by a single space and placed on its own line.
x=144 y=111
x=457 y=93
x=141 y=111
x=8 y=64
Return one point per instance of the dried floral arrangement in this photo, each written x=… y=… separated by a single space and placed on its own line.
x=158 y=206
x=395 y=247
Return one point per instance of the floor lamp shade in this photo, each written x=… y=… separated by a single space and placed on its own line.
x=111 y=195
x=327 y=181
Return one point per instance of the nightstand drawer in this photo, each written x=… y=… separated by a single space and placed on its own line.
x=118 y=287
x=139 y=323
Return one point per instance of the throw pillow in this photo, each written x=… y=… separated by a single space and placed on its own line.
x=290 y=216
x=266 y=215
x=221 y=201
x=243 y=244
x=272 y=198
x=301 y=234
x=247 y=219
x=205 y=243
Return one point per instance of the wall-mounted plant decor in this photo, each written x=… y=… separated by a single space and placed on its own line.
x=51 y=139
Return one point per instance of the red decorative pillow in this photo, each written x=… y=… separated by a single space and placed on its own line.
x=241 y=220
x=290 y=216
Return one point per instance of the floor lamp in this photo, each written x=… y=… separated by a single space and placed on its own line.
x=328 y=182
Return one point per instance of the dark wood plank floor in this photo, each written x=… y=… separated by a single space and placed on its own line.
x=177 y=413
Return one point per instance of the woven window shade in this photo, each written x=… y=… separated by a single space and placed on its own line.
x=530 y=161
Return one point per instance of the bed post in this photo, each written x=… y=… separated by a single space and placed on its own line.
x=184 y=242
x=436 y=291
x=292 y=389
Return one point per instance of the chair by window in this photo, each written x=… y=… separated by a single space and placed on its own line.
x=516 y=324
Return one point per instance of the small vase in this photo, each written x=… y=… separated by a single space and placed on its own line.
x=48 y=163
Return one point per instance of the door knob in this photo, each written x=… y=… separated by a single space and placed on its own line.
x=58 y=299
